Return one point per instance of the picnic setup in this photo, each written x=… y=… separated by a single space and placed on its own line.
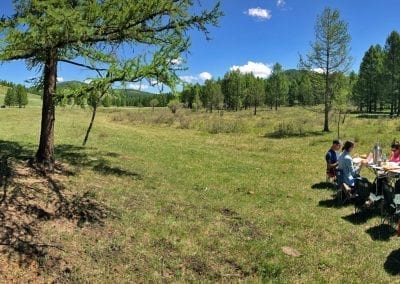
x=381 y=193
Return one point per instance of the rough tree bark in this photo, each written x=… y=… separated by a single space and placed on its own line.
x=45 y=153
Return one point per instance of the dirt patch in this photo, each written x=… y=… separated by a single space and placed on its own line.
x=32 y=199
x=197 y=265
x=239 y=225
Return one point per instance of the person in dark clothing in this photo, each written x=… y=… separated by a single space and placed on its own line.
x=331 y=159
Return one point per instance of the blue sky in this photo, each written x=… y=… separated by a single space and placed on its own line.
x=255 y=34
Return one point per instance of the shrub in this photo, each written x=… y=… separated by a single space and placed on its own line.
x=184 y=122
x=220 y=125
x=164 y=118
x=291 y=128
x=117 y=117
x=174 y=105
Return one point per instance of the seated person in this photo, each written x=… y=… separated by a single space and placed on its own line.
x=331 y=159
x=345 y=164
x=395 y=155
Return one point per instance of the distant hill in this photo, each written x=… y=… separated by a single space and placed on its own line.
x=129 y=92
x=132 y=92
x=69 y=84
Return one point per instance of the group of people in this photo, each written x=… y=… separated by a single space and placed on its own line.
x=345 y=164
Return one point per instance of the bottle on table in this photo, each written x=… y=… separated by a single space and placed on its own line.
x=377 y=154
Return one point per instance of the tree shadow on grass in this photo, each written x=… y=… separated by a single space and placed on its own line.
x=279 y=135
x=77 y=156
x=392 y=263
x=15 y=150
x=31 y=198
x=381 y=232
x=375 y=115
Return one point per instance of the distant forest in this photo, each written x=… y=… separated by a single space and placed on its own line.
x=375 y=88
x=118 y=97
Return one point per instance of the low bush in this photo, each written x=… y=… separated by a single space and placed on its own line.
x=290 y=128
x=219 y=125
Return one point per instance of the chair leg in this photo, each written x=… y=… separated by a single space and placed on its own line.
x=340 y=196
x=398 y=228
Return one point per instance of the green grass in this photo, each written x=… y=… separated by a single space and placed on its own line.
x=33 y=100
x=204 y=197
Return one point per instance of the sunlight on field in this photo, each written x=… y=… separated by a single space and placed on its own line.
x=205 y=197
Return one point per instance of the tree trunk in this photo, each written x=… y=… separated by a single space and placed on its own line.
x=391 y=108
x=45 y=153
x=327 y=91
x=338 y=125
x=398 y=106
x=90 y=124
x=326 y=102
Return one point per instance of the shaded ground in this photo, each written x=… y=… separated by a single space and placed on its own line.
x=29 y=198
x=392 y=264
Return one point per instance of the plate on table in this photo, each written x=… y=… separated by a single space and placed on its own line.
x=393 y=165
x=391 y=168
x=376 y=167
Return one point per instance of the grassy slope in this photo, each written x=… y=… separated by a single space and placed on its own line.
x=193 y=205
x=33 y=100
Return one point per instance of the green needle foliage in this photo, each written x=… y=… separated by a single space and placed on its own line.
x=329 y=53
x=153 y=32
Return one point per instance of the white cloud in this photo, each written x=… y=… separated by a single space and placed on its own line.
x=201 y=77
x=205 y=76
x=188 y=78
x=154 y=82
x=87 y=81
x=318 y=70
x=60 y=79
x=177 y=61
x=280 y=3
x=136 y=86
x=259 y=13
x=259 y=69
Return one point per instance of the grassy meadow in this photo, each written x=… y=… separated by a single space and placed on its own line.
x=188 y=197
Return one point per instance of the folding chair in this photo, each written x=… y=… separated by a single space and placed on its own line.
x=343 y=193
x=363 y=197
x=391 y=206
x=330 y=177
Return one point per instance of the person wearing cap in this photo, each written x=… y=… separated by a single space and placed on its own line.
x=331 y=158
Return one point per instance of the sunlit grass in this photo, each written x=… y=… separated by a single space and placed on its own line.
x=200 y=205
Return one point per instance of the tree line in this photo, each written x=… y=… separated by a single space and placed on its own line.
x=66 y=95
x=378 y=85
x=238 y=90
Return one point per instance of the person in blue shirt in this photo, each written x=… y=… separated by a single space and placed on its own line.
x=332 y=159
x=345 y=164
